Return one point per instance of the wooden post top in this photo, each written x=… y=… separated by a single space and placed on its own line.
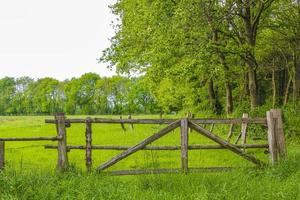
x=59 y=114
x=88 y=120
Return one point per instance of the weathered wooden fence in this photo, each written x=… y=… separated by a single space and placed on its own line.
x=273 y=122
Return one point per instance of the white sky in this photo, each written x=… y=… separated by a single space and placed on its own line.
x=54 y=38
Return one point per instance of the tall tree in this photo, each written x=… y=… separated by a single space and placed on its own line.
x=244 y=19
x=7 y=91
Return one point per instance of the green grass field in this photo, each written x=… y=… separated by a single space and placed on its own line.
x=30 y=169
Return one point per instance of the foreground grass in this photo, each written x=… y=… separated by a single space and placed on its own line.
x=280 y=182
x=30 y=172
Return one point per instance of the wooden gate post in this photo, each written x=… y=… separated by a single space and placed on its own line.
x=62 y=161
x=280 y=139
x=276 y=138
x=2 y=154
x=271 y=138
x=88 y=140
x=184 y=130
x=243 y=133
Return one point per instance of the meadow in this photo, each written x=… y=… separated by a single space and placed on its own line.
x=30 y=168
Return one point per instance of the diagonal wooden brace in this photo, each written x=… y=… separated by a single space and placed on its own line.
x=139 y=146
x=224 y=143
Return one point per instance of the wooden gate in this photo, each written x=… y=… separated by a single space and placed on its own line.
x=184 y=125
x=273 y=121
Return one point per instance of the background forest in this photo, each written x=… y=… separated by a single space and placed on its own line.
x=217 y=57
x=88 y=94
x=225 y=54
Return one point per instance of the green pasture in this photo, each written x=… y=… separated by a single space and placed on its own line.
x=30 y=168
x=25 y=155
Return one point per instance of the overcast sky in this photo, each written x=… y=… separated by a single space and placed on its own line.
x=57 y=38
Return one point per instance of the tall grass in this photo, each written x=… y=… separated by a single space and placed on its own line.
x=279 y=182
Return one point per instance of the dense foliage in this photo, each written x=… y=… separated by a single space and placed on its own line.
x=201 y=53
x=89 y=94
x=194 y=55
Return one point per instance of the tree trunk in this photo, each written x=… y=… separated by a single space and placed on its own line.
x=246 y=85
x=250 y=13
x=229 y=101
x=287 y=91
x=253 y=88
x=296 y=81
x=274 y=86
x=282 y=81
x=212 y=95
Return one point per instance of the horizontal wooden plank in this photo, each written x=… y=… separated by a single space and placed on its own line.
x=30 y=139
x=190 y=147
x=118 y=121
x=166 y=171
x=230 y=121
x=166 y=121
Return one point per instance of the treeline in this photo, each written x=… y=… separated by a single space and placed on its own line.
x=210 y=54
x=89 y=94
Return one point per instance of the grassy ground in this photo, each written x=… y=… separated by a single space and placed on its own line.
x=30 y=172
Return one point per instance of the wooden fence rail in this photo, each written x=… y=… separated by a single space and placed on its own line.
x=273 y=122
x=158 y=148
x=262 y=121
x=24 y=139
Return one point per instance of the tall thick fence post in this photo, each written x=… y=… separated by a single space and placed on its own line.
x=88 y=140
x=280 y=140
x=276 y=138
x=62 y=161
x=2 y=154
x=184 y=130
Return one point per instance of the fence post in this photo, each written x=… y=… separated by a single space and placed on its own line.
x=122 y=125
x=276 y=138
x=62 y=161
x=131 y=124
x=2 y=154
x=280 y=140
x=88 y=140
x=184 y=129
x=244 y=130
x=243 y=133
x=230 y=132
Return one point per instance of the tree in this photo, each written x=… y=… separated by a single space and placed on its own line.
x=19 y=100
x=85 y=92
x=166 y=40
x=244 y=19
x=45 y=96
x=288 y=26
x=7 y=91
